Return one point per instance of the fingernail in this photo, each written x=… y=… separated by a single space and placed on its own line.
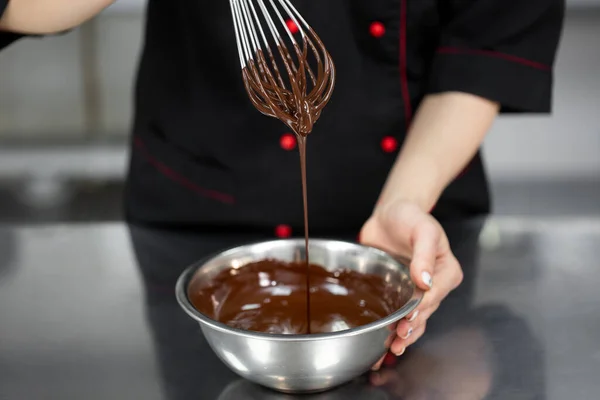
x=398 y=354
x=413 y=316
x=410 y=331
x=426 y=276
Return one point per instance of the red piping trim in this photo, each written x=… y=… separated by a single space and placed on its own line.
x=179 y=179
x=497 y=54
x=402 y=65
x=464 y=171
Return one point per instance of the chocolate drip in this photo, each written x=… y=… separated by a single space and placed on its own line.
x=298 y=106
x=302 y=150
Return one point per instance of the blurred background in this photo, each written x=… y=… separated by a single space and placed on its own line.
x=65 y=110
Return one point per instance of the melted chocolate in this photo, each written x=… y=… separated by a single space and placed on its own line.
x=298 y=105
x=270 y=296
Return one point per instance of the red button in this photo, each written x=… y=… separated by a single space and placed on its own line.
x=287 y=141
x=377 y=29
x=292 y=26
x=283 y=231
x=389 y=144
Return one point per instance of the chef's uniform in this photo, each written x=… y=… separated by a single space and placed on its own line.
x=203 y=156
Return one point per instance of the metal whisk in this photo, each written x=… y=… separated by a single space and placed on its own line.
x=299 y=102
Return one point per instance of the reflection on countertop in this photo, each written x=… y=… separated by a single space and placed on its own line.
x=88 y=311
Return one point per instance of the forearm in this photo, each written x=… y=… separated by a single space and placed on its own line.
x=446 y=133
x=48 y=16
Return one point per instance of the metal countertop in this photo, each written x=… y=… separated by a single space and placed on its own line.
x=88 y=312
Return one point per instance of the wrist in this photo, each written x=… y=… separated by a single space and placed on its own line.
x=421 y=204
x=417 y=181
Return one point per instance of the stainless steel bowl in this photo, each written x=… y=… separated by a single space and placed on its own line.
x=302 y=363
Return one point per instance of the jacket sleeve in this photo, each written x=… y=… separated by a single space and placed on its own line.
x=6 y=38
x=502 y=50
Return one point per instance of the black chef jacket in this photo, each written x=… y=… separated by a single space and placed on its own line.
x=203 y=156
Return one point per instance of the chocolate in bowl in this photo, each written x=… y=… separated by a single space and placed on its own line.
x=269 y=296
x=300 y=362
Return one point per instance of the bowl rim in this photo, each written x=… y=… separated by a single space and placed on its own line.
x=183 y=300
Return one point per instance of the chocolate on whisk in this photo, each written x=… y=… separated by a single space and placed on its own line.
x=298 y=94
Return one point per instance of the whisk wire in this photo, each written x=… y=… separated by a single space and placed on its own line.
x=291 y=101
x=249 y=28
x=281 y=20
x=262 y=33
x=238 y=41
x=269 y=21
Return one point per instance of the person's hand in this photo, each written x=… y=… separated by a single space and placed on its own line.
x=403 y=229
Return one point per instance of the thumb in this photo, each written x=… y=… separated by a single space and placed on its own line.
x=426 y=237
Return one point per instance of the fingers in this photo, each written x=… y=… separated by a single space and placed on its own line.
x=413 y=315
x=425 y=238
x=411 y=328
x=387 y=344
x=404 y=327
x=400 y=344
x=377 y=365
x=447 y=277
x=407 y=332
